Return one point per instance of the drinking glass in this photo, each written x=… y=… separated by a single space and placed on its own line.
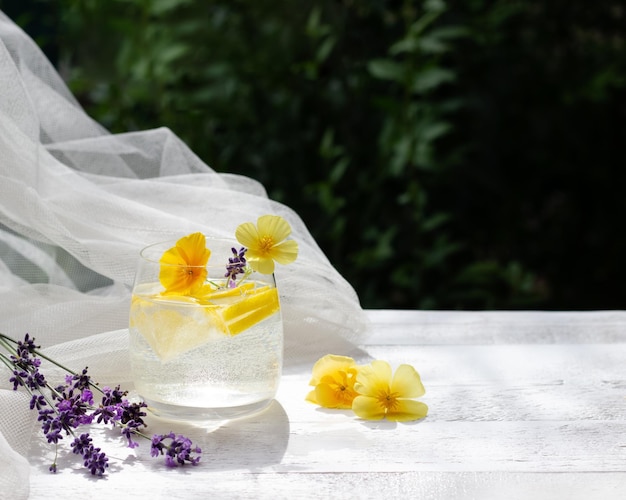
x=214 y=355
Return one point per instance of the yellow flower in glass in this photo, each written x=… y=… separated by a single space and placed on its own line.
x=333 y=379
x=382 y=396
x=183 y=267
x=267 y=242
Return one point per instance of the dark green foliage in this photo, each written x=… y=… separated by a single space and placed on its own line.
x=443 y=154
x=546 y=94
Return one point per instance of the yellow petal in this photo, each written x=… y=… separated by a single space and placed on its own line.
x=180 y=280
x=261 y=265
x=274 y=226
x=247 y=235
x=285 y=252
x=368 y=408
x=310 y=397
x=325 y=396
x=173 y=257
x=329 y=364
x=406 y=410
x=407 y=383
x=373 y=379
x=330 y=397
x=193 y=249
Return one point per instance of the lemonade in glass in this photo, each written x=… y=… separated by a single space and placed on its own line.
x=204 y=344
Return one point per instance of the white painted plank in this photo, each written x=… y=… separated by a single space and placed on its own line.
x=430 y=485
x=487 y=327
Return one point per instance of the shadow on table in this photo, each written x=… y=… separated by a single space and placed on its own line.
x=389 y=425
x=249 y=444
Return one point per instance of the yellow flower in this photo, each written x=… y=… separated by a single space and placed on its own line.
x=183 y=267
x=333 y=379
x=267 y=242
x=382 y=396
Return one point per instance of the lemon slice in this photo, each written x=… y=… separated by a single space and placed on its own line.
x=259 y=304
x=253 y=305
x=172 y=331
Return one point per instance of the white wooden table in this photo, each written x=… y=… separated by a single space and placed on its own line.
x=522 y=405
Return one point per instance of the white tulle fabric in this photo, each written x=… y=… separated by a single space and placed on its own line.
x=78 y=203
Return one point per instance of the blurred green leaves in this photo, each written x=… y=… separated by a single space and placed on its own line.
x=425 y=143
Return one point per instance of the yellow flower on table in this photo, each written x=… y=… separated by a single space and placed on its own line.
x=267 y=242
x=183 y=267
x=380 y=395
x=333 y=379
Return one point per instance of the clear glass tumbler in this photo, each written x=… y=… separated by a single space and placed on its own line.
x=213 y=355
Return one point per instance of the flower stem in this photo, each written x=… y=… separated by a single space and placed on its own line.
x=6 y=361
x=4 y=339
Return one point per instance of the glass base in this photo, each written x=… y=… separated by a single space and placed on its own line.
x=196 y=414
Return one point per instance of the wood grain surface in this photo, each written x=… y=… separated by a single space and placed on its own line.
x=522 y=406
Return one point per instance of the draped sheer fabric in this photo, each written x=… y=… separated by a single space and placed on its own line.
x=77 y=203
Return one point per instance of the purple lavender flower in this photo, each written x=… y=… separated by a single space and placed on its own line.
x=18 y=378
x=45 y=414
x=129 y=430
x=86 y=396
x=26 y=366
x=78 y=382
x=53 y=431
x=112 y=397
x=81 y=443
x=27 y=347
x=236 y=265
x=37 y=401
x=71 y=409
x=133 y=412
x=111 y=409
x=35 y=380
x=107 y=414
x=95 y=460
x=177 y=452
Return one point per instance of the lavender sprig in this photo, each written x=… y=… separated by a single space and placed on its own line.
x=236 y=265
x=64 y=408
x=178 y=451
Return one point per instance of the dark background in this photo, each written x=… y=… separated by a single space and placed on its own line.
x=445 y=155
